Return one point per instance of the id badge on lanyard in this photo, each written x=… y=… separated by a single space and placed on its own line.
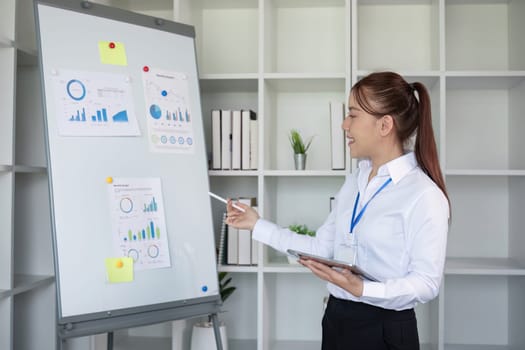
x=347 y=250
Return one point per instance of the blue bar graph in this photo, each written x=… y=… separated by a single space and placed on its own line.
x=78 y=117
x=100 y=117
x=151 y=207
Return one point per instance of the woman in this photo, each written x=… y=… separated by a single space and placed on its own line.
x=390 y=218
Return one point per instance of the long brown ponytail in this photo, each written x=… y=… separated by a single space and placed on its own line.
x=385 y=93
x=425 y=147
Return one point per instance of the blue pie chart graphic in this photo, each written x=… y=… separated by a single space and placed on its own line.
x=76 y=90
x=155 y=111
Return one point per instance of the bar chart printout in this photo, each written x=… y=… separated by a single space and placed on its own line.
x=170 y=122
x=138 y=222
x=94 y=104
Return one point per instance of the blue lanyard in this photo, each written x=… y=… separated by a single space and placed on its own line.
x=355 y=220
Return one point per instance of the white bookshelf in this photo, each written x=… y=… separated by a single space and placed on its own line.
x=27 y=301
x=266 y=55
x=286 y=59
x=7 y=108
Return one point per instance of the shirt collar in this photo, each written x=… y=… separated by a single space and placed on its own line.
x=396 y=168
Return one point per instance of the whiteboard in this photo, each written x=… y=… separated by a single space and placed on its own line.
x=79 y=166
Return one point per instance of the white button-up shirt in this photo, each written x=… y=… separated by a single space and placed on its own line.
x=401 y=237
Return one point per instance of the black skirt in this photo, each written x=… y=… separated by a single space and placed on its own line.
x=349 y=325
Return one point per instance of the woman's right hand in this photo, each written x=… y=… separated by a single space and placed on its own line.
x=240 y=220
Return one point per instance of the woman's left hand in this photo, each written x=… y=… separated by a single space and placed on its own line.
x=343 y=278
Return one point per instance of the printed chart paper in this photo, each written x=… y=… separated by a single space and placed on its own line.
x=94 y=104
x=138 y=222
x=170 y=122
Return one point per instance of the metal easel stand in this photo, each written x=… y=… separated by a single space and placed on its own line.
x=215 y=322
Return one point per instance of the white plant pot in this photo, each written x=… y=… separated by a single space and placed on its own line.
x=203 y=337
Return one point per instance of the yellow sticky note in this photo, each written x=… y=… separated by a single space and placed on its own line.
x=112 y=52
x=119 y=269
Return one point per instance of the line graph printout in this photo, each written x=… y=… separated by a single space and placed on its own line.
x=138 y=222
x=170 y=122
x=94 y=104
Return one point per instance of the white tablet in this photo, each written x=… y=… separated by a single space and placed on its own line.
x=332 y=263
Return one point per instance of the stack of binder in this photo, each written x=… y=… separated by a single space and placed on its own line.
x=234 y=139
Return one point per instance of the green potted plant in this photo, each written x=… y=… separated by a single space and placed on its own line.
x=224 y=290
x=299 y=148
x=300 y=230
x=202 y=337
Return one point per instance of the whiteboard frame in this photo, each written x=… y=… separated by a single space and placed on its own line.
x=107 y=321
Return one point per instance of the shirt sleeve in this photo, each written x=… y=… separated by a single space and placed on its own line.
x=427 y=240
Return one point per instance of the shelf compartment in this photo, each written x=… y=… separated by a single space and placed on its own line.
x=484 y=35
x=281 y=205
x=41 y=302
x=387 y=31
x=484 y=123
x=286 y=319
x=7 y=22
x=25 y=26
x=226 y=94
x=487 y=236
x=29 y=139
x=32 y=239
x=311 y=83
x=240 y=309
x=301 y=104
x=299 y=200
x=236 y=83
x=484 y=266
x=305 y=36
x=6 y=239
x=7 y=106
x=495 y=309
x=227 y=34
x=6 y=322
